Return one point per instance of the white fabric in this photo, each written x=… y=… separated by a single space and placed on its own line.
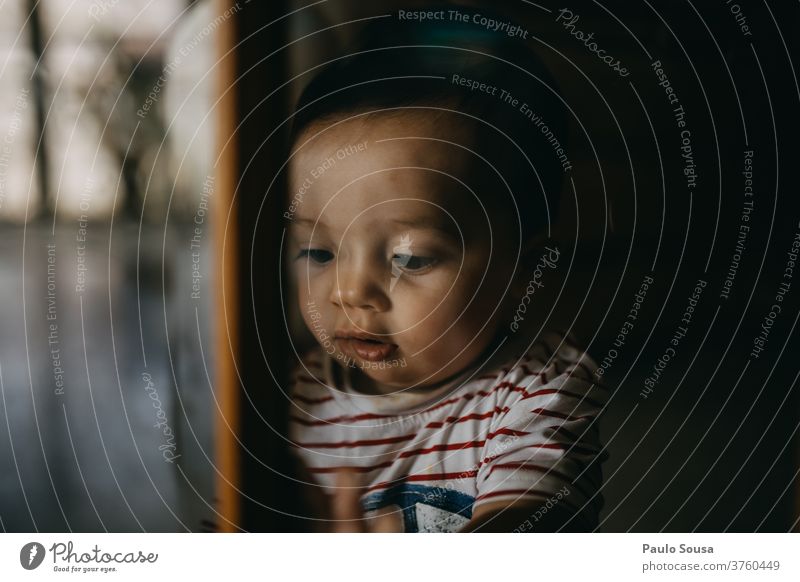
x=526 y=429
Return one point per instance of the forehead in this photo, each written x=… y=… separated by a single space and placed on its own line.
x=371 y=161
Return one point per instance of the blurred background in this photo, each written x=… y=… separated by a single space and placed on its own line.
x=108 y=140
x=110 y=143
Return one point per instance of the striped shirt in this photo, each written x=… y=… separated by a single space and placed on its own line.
x=527 y=429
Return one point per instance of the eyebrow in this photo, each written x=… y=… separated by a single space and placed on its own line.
x=309 y=222
x=429 y=224
x=425 y=223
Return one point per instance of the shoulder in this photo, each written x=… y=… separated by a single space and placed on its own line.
x=554 y=365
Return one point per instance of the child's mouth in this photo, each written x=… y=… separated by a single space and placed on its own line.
x=366 y=349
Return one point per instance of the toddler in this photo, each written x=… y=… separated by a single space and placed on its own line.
x=420 y=203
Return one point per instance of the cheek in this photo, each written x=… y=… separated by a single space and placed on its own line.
x=440 y=313
x=471 y=305
x=310 y=282
x=303 y=295
x=311 y=299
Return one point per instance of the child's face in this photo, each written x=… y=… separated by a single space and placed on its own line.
x=398 y=266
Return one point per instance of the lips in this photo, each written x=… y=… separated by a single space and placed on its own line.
x=364 y=346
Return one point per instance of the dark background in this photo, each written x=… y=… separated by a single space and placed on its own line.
x=713 y=448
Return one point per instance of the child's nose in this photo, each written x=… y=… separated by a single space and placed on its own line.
x=358 y=285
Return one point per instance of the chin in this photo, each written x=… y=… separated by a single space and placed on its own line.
x=384 y=370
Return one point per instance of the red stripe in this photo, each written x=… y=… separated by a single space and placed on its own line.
x=561 y=446
x=385 y=484
x=371 y=416
x=366 y=416
x=540 y=469
x=531 y=446
x=443 y=447
x=507 y=432
x=429 y=477
x=546 y=391
x=362 y=443
x=402 y=438
x=473 y=416
x=357 y=469
x=469 y=396
x=444 y=476
x=529 y=467
x=411 y=453
x=405 y=455
x=438 y=424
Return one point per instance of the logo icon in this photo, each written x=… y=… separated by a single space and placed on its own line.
x=31 y=555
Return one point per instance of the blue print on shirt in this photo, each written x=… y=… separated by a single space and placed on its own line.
x=407 y=497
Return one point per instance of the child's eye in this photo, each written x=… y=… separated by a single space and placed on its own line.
x=318 y=256
x=413 y=262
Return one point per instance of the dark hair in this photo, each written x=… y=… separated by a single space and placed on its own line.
x=399 y=64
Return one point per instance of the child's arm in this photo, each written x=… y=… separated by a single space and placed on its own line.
x=338 y=509
x=543 y=474
x=524 y=515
